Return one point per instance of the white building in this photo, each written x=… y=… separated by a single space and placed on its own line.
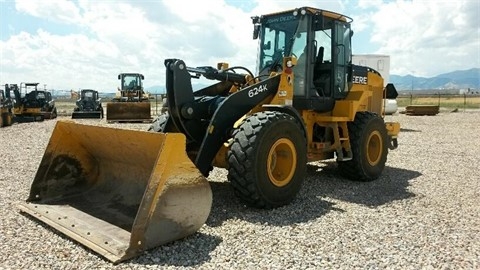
x=378 y=62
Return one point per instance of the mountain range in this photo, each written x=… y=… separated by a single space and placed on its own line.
x=459 y=79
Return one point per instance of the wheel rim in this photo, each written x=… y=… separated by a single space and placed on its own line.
x=374 y=148
x=281 y=162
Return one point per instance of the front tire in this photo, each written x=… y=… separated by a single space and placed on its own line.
x=268 y=159
x=368 y=139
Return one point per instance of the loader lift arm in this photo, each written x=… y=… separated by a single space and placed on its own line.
x=207 y=120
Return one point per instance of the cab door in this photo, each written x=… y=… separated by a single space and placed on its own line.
x=342 y=59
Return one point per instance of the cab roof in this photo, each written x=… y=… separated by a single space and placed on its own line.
x=312 y=11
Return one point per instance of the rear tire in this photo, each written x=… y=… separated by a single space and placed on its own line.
x=268 y=159
x=368 y=139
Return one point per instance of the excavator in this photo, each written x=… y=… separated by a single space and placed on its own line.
x=121 y=192
x=131 y=104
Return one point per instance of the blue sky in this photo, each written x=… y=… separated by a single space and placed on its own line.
x=85 y=44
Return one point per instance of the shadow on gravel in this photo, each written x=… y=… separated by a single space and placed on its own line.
x=191 y=251
x=391 y=186
x=227 y=206
x=322 y=181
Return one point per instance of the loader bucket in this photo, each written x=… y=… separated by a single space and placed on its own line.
x=87 y=115
x=128 y=112
x=118 y=192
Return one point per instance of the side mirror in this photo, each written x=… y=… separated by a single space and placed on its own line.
x=256 y=31
x=256 y=26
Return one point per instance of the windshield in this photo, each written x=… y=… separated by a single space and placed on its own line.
x=88 y=94
x=281 y=35
x=132 y=82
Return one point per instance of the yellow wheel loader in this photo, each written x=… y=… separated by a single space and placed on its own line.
x=131 y=103
x=120 y=192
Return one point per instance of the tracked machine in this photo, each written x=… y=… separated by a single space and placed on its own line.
x=131 y=103
x=89 y=105
x=121 y=192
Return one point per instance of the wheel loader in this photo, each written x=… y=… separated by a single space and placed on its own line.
x=88 y=105
x=131 y=104
x=121 y=192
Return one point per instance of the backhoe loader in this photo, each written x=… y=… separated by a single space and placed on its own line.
x=121 y=192
x=131 y=104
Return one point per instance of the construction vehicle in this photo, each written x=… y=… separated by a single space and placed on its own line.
x=35 y=105
x=6 y=105
x=20 y=113
x=121 y=192
x=89 y=105
x=131 y=103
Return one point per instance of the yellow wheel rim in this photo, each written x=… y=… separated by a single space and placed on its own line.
x=374 y=148
x=281 y=162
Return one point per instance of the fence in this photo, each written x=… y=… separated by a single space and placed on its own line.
x=460 y=101
x=157 y=103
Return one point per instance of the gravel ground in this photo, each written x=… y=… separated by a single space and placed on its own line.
x=423 y=213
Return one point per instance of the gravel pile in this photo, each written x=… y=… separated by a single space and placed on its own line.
x=423 y=213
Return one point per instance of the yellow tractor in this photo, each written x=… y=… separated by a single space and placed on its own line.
x=131 y=103
x=121 y=192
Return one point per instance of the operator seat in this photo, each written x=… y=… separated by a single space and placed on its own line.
x=321 y=74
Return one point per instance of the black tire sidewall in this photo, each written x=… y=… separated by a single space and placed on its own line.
x=374 y=124
x=281 y=129
x=252 y=143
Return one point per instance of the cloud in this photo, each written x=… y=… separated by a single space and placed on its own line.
x=108 y=37
x=55 y=10
x=427 y=38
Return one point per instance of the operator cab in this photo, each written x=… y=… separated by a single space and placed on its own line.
x=131 y=81
x=89 y=94
x=321 y=42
